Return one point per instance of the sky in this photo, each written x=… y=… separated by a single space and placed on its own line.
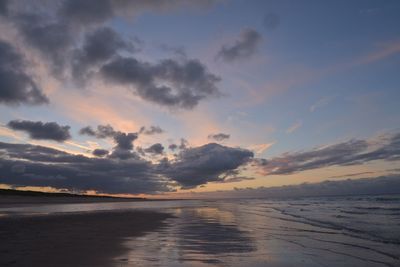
x=173 y=98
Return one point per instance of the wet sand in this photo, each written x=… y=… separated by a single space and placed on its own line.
x=79 y=239
x=14 y=201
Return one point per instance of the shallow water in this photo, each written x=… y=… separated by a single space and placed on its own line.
x=345 y=231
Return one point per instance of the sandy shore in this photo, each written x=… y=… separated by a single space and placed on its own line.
x=85 y=239
x=11 y=201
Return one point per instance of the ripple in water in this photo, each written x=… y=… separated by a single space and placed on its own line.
x=273 y=233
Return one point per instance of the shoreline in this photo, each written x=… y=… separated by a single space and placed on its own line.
x=77 y=239
x=17 y=201
x=12 y=201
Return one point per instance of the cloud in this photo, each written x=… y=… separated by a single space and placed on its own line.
x=233 y=176
x=167 y=83
x=75 y=44
x=244 y=47
x=3 y=7
x=207 y=163
x=103 y=131
x=42 y=131
x=44 y=166
x=365 y=186
x=294 y=127
x=100 y=152
x=87 y=131
x=236 y=179
x=125 y=140
x=122 y=171
x=152 y=130
x=155 y=149
x=17 y=86
x=381 y=185
x=350 y=175
x=86 y=12
x=51 y=38
x=352 y=152
x=219 y=136
x=173 y=147
x=99 y=46
x=182 y=146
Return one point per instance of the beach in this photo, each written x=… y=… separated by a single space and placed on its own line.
x=72 y=239
x=302 y=232
x=8 y=201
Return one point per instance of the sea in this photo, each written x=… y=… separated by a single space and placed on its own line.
x=325 y=231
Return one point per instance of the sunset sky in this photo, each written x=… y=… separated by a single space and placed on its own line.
x=164 y=97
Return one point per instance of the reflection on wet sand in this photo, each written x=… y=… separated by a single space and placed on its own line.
x=196 y=236
x=206 y=235
x=265 y=233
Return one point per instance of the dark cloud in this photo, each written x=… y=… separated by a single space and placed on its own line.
x=4 y=7
x=150 y=131
x=173 y=147
x=56 y=35
x=42 y=154
x=122 y=171
x=29 y=165
x=167 y=83
x=244 y=47
x=207 y=163
x=233 y=176
x=124 y=154
x=100 y=152
x=155 y=149
x=40 y=130
x=343 y=154
x=98 y=47
x=184 y=144
x=378 y=186
x=51 y=38
x=87 y=131
x=86 y=12
x=125 y=140
x=71 y=35
x=366 y=186
x=350 y=175
x=219 y=136
x=16 y=85
x=102 y=131
x=236 y=179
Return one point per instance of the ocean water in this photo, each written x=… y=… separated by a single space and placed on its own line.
x=334 y=231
